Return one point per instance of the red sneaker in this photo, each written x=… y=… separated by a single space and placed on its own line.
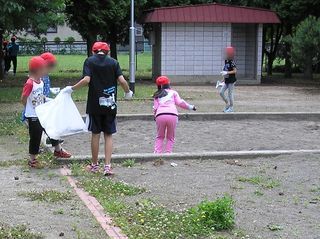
x=34 y=163
x=62 y=154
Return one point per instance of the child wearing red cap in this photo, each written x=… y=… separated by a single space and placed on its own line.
x=229 y=74
x=51 y=64
x=102 y=74
x=166 y=114
x=32 y=96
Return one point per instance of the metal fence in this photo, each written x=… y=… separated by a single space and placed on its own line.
x=71 y=48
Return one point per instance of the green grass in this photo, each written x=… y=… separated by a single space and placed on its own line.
x=266 y=183
x=70 y=66
x=146 y=219
x=51 y=196
x=17 y=232
x=11 y=125
x=128 y=163
x=12 y=94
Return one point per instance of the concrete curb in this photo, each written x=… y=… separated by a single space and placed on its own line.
x=95 y=208
x=288 y=116
x=215 y=155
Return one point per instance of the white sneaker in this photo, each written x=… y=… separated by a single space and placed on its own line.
x=229 y=110
x=226 y=109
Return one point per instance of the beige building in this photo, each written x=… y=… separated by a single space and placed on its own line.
x=189 y=41
x=62 y=31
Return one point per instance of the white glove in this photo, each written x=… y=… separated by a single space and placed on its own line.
x=192 y=107
x=67 y=90
x=48 y=99
x=129 y=95
x=224 y=73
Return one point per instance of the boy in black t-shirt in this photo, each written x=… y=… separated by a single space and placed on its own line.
x=229 y=74
x=102 y=73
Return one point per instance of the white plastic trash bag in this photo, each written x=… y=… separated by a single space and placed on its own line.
x=60 y=117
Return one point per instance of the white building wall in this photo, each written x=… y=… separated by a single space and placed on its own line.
x=193 y=49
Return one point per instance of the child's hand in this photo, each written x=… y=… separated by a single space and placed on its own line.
x=224 y=73
x=67 y=90
x=128 y=95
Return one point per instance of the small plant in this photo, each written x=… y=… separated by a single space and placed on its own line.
x=47 y=196
x=18 y=232
x=217 y=215
x=128 y=163
x=258 y=193
x=274 y=227
x=267 y=183
x=58 y=212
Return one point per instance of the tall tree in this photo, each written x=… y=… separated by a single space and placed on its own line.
x=306 y=44
x=107 y=19
x=39 y=15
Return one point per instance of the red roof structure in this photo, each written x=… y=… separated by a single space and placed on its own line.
x=211 y=13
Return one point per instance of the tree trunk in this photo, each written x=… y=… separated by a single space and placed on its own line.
x=113 y=42
x=1 y=57
x=288 y=62
x=270 y=64
x=274 y=43
x=308 y=69
x=90 y=41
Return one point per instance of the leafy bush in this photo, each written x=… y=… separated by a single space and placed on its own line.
x=57 y=40
x=70 y=40
x=44 y=40
x=217 y=215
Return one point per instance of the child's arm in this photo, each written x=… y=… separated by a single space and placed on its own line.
x=181 y=103
x=123 y=83
x=83 y=82
x=26 y=91
x=234 y=71
x=155 y=106
x=24 y=100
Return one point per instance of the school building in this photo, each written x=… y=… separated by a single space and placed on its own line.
x=188 y=41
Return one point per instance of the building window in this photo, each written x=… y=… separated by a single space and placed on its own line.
x=139 y=31
x=52 y=29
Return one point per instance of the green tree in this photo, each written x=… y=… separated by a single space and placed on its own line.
x=38 y=15
x=306 y=44
x=106 y=19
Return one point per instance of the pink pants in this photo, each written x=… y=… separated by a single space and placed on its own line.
x=166 y=128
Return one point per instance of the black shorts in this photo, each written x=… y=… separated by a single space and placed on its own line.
x=102 y=123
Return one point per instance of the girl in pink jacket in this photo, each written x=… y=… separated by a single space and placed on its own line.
x=166 y=114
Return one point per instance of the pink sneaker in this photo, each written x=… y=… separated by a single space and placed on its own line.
x=107 y=171
x=93 y=168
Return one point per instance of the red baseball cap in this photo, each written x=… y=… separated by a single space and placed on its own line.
x=100 y=46
x=162 y=80
x=230 y=51
x=49 y=58
x=36 y=63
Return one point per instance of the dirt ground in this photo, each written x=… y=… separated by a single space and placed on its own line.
x=196 y=136
x=247 y=99
x=70 y=217
x=289 y=210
